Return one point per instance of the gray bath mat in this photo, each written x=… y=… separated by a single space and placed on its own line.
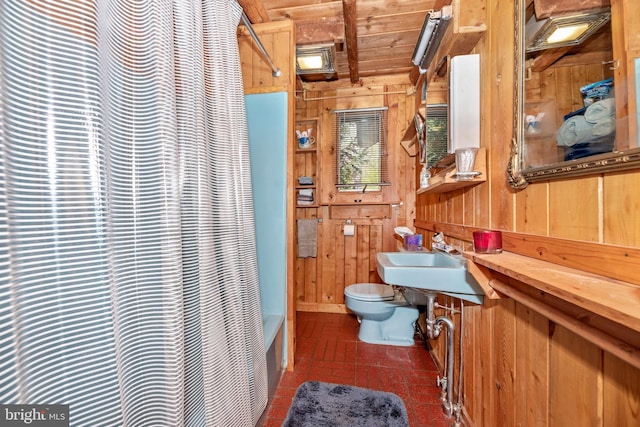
x=318 y=404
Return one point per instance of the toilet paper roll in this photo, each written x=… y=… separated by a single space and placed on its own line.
x=349 y=230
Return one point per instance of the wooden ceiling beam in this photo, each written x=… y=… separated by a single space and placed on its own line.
x=548 y=57
x=255 y=11
x=351 y=37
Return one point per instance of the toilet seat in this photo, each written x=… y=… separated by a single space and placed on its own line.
x=370 y=292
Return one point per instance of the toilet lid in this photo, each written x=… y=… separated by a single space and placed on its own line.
x=370 y=292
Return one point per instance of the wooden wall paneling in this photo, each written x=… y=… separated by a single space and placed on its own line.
x=245 y=45
x=532 y=206
x=299 y=288
x=469 y=205
x=504 y=359
x=389 y=241
x=487 y=374
x=362 y=254
x=406 y=164
x=328 y=191
x=548 y=91
x=456 y=206
x=442 y=209
x=375 y=246
x=621 y=393
x=597 y=72
x=472 y=360
x=621 y=225
x=573 y=211
x=278 y=40
x=532 y=368
x=533 y=85
x=351 y=257
x=282 y=58
x=578 y=75
x=318 y=272
x=302 y=165
x=340 y=280
x=496 y=63
x=432 y=207
x=564 y=90
x=482 y=193
x=394 y=130
x=309 y=265
x=575 y=380
x=615 y=262
x=311 y=166
x=310 y=279
x=327 y=270
x=261 y=76
x=325 y=267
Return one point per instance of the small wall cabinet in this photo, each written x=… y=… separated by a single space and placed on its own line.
x=306 y=168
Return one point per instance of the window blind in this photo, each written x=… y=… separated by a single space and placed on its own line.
x=437 y=133
x=361 y=149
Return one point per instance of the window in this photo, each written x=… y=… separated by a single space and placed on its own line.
x=361 y=155
x=437 y=134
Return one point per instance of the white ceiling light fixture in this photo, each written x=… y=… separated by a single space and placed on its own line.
x=564 y=30
x=315 y=59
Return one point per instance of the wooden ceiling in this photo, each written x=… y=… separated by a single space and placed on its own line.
x=373 y=37
x=377 y=37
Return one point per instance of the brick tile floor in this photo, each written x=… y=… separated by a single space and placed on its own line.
x=328 y=350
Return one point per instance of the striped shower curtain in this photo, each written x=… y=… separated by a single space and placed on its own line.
x=128 y=272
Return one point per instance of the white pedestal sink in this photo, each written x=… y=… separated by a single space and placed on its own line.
x=426 y=272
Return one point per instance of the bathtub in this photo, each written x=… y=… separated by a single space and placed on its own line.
x=271 y=324
x=273 y=332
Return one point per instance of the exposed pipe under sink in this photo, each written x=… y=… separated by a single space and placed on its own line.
x=434 y=328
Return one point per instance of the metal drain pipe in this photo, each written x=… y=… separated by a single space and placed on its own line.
x=434 y=327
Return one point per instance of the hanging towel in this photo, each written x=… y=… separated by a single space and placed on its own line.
x=307 y=238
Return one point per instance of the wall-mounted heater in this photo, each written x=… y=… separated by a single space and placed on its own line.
x=433 y=29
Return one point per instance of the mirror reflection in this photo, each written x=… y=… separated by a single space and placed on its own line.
x=569 y=96
x=571 y=111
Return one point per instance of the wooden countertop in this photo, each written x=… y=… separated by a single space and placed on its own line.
x=612 y=299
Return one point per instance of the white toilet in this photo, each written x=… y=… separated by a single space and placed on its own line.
x=385 y=316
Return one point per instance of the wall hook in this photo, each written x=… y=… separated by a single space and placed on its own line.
x=616 y=63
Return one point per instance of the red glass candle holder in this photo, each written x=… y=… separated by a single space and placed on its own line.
x=487 y=242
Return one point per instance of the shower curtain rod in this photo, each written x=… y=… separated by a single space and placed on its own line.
x=274 y=70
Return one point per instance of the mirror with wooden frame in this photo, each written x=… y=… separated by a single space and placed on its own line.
x=572 y=114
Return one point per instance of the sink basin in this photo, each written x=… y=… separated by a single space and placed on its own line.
x=430 y=272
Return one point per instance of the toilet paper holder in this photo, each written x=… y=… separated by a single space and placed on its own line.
x=349 y=229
